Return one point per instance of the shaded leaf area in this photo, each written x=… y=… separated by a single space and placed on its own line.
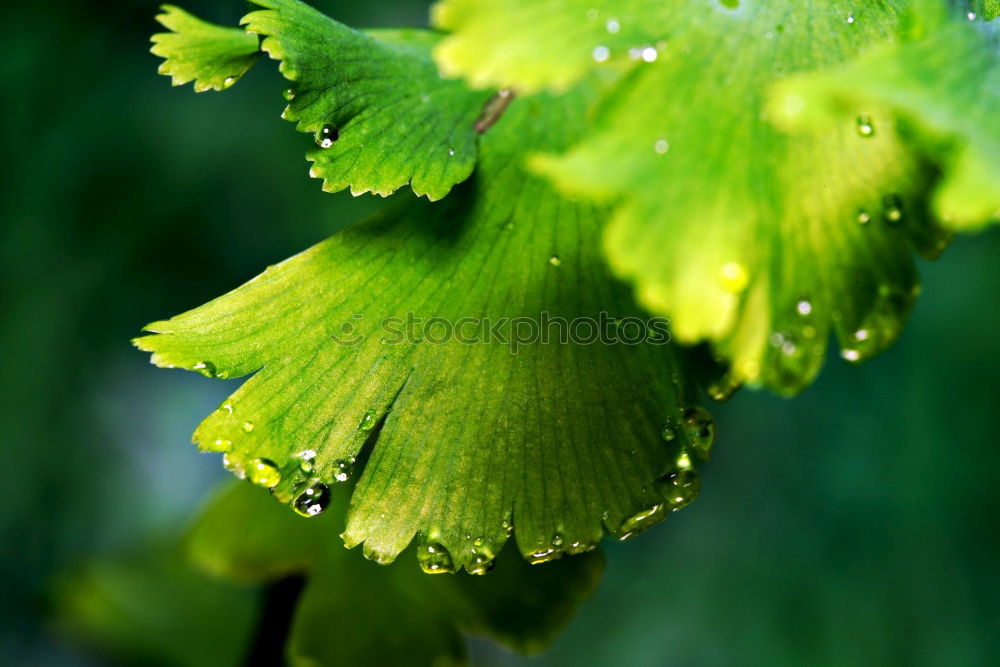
x=943 y=83
x=759 y=242
x=154 y=609
x=380 y=114
x=528 y=394
x=353 y=612
x=194 y=50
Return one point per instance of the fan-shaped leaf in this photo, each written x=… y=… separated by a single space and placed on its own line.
x=487 y=423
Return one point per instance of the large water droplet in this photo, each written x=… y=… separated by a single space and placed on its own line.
x=641 y=521
x=680 y=488
x=264 y=472
x=368 y=421
x=342 y=469
x=479 y=564
x=288 y=94
x=326 y=135
x=434 y=558
x=700 y=429
x=313 y=499
x=206 y=368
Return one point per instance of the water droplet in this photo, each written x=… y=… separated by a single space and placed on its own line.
x=668 y=434
x=971 y=16
x=264 y=472
x=312 y=500
x=722 y=388
x=288 y=94
x=433 y=558
x=557 y=540
x=849 y=19
x=479 y=564
x=228 y=81
x=865 y=127
x=226 y=407
x=342 y=469
x=613 y=26
x=368 y=421
x=601 y=54
x=206 y=368
x=307 y=460
x=543 y=556
x=642 y=520
x=592 y=14
x=233 y=462
x=700 y=429
x=220 y=445
x=803 y=307
x=479 y=541
x=555 y=261
x=247 y=427
x=451 y=151
x=864 y=217
x=680 y=488
x=649 y=54
x=507 y=527
x=892 y=208
x=661 y=146
x=733 y=277
x=326 y=135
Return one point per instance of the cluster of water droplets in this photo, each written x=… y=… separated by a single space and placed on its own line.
x=688 y=436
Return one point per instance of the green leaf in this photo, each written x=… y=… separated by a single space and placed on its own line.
x=944 y=85
x=559 y=440
x=153 y=609
x=381 y=114
x=755 y=240
x=212 y=56
x=348 y=603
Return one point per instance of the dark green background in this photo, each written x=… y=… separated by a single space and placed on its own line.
x=856 y=525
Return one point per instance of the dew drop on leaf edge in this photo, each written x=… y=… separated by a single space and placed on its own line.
x=263 y=472
x=327 y=135
x=433 y=558
x=312 y=500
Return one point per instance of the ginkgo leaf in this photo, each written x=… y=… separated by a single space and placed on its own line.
x=944 y=84
x=212 y=56
x=428 y=317
x=380 y=113
x=758 y=241
x=342 y=615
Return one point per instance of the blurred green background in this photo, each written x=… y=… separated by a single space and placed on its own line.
x=855 y=525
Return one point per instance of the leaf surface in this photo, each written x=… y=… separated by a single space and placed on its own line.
x=760 y=242
x=194 y=50
x=556 y=442
x=380 y=113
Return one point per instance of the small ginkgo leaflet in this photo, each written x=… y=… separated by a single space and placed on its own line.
x=759 y=241
x=519 y=388
x=521 y=607
x=380 y=114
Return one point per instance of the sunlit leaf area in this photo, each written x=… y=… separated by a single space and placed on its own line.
x=525 y=332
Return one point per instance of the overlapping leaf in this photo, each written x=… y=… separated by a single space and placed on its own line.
x=380 y=114
x=353 y=612
x=555 y=443
x=943 y=82
x=760 y=242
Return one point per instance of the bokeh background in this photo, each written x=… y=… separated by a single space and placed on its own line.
x=856 y=525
